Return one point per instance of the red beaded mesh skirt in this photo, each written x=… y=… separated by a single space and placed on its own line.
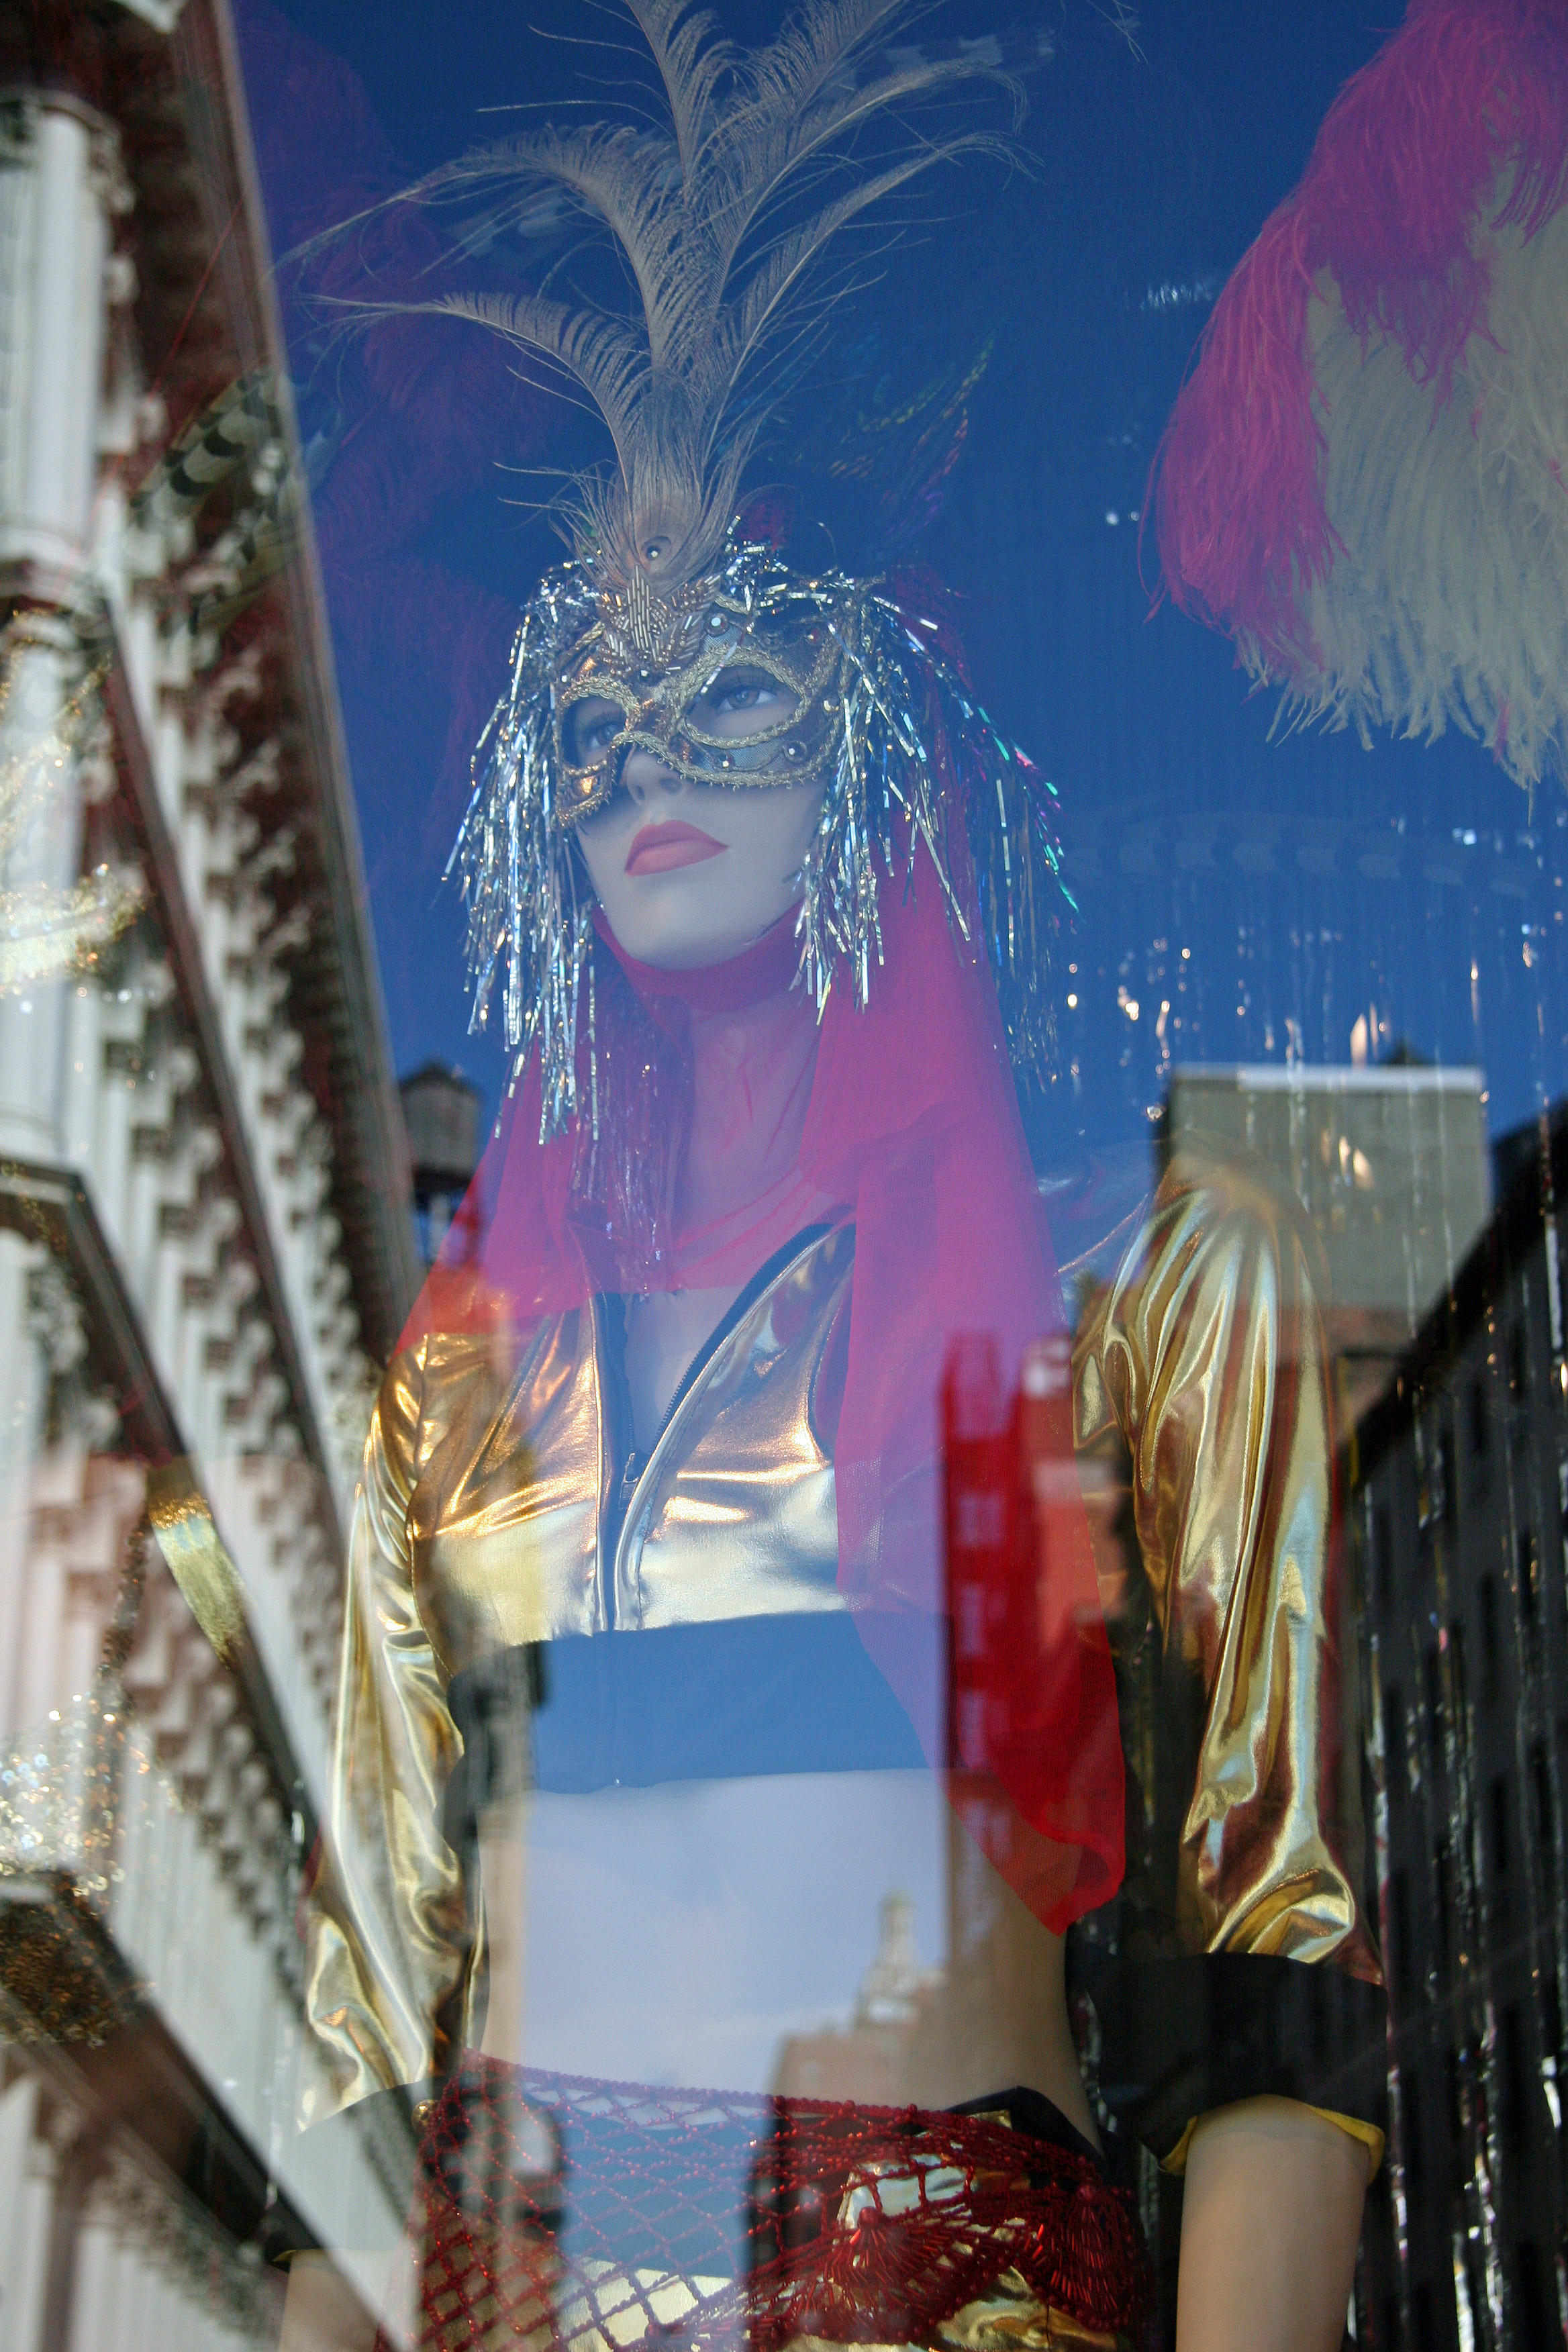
x=554 y=2211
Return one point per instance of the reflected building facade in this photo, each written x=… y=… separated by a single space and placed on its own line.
x=1390 y=1163
x=206 y=1249
x=875 y=2054
x=205 y=1241
x=1457 y=1486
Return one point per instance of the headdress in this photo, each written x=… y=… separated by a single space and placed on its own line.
x=720 y=217
x=876 y=1096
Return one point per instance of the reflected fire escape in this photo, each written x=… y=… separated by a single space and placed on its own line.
x=1457 y=1508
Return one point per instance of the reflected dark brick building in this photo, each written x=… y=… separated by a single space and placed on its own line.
x=1455 y=1484
x=1445 y=1319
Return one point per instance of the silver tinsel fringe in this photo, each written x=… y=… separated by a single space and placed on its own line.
x=912 y=740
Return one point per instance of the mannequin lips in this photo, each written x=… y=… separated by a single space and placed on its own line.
x=660 y=848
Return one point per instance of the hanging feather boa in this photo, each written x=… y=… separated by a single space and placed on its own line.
x=1363 y=479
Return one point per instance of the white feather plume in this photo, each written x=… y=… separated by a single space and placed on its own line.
x=720 y=216
x=1447 y=602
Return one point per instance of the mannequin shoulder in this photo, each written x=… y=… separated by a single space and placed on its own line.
x=451 y=1387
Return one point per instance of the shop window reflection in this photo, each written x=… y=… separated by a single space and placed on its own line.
x=1459 y=1595
x=1527 y=1568
x=1501 y=1810
x=223 y=1091
x=1487 y=1604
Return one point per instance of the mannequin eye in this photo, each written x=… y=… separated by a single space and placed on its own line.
x=740 y=694
x=589 y=730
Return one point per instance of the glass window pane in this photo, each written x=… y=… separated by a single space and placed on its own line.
x=782 y=1122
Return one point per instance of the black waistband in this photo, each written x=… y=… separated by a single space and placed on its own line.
x=728 y=1701
x=1040 y=2118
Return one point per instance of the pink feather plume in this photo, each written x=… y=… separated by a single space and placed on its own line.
x=1464 y=105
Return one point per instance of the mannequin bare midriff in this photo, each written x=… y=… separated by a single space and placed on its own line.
x=632 y=1934
x=625 y=1938
x=689 y=1934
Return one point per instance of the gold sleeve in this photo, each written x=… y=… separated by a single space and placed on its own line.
x=394 y=1961
x=1204 y=1365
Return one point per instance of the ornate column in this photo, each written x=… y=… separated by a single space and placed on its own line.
x=60 y=183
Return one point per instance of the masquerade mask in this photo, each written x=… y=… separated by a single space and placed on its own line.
x=831 y=681
x=679 y=675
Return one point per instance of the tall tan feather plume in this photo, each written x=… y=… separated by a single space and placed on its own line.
x=708 y=216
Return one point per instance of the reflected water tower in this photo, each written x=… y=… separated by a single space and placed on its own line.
x=441 y=1114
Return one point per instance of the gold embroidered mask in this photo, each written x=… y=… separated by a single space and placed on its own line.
x=603 y=664
x=649 y=672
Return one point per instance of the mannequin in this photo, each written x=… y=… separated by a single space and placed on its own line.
x=646 y=1562
x=1245 y=2277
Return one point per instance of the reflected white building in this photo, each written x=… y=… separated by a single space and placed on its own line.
x=1390 y=1162
x=205 y=1247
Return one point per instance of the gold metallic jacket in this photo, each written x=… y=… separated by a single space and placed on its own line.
x=1201 y=1377
x=490 y=1515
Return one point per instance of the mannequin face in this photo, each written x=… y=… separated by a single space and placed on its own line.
x=691 y=874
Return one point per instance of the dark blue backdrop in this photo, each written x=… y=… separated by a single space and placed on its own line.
x=1309 y=882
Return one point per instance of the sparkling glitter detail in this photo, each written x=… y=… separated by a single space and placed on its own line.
x=48 y=731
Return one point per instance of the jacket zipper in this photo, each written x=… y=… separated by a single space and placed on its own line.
x=637 y=1464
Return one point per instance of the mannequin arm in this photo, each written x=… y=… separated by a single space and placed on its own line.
x=321 y=2312
x=1270 y=2222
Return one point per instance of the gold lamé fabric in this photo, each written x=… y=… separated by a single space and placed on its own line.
x=1009 y=2318
x=1203 y=1406
x=495 y=1513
